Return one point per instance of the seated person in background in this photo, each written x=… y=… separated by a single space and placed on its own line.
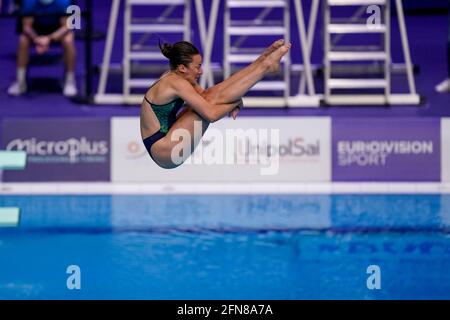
x=7 y=7
x=444 y=86
x=43 y=22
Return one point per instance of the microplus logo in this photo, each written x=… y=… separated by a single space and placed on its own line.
x=376 y=152
x=71 y=150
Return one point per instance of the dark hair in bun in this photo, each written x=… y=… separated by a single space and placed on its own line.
x=178 y=53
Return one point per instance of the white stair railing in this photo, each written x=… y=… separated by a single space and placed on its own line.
x=137 y=51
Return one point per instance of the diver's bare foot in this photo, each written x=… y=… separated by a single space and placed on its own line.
x=273 y=60
x=273 y=47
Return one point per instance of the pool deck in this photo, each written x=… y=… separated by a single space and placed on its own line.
x=225 y=188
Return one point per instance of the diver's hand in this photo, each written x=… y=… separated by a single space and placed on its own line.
x=236 y=110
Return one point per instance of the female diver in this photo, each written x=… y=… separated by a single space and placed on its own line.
x=160 y=116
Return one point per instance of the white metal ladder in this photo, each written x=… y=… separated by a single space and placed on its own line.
x=136 y=51
x=235 y=54
x=364 y=54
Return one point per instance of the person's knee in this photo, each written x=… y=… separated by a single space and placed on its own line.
x=24 y=41
x=68 y=41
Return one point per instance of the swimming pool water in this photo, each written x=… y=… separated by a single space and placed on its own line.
x=227 y=247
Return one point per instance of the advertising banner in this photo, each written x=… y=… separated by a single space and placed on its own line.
x=386 y=149
x=249 y=149
x=59 y=149
x=445 y=138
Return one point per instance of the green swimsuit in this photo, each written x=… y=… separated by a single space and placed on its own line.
x=167 y=115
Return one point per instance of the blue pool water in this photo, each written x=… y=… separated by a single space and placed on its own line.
x=227 y=247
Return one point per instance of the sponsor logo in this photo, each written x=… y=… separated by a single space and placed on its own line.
x=376 y=153
x=72 y=150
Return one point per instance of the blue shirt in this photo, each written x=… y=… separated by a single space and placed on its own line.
x=45 y=11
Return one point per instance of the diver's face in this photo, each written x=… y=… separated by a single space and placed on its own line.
x=194 y=69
